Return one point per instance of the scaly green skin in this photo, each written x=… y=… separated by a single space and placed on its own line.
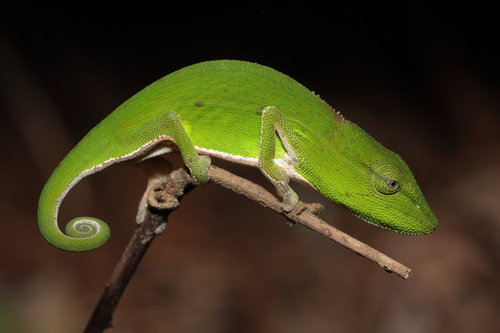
x=249 y=114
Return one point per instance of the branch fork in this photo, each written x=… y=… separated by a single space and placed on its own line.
x=163 y=196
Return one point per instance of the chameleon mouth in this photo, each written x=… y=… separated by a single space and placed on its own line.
x=431 y=228
x=407 y=229
x=390 y=229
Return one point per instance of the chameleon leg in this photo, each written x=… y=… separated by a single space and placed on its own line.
x=170 y=125
x=157 y=170
x=273 y=122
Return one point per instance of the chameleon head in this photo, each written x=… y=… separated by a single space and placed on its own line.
x=377 y=186
x=396 y=199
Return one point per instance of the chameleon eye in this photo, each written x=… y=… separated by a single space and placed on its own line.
x=392 y=183
x=387 y=179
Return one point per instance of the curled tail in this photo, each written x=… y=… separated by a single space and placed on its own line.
x=83 y=233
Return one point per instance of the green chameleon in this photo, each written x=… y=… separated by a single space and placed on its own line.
x=248 y=114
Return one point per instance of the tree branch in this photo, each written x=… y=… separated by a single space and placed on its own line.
x=163 y=194
x=306 y=214
x=166 y=196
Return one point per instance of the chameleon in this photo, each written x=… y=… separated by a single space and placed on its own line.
x=249 y=114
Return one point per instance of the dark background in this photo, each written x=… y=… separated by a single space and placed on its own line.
x=423 y=80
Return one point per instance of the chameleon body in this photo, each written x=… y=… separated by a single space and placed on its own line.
x=250 y=114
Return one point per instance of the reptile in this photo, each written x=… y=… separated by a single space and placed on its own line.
x=248 y=114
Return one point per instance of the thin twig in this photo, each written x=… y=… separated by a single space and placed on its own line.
x=154 y=223
x=306 y=214
x=163 y=196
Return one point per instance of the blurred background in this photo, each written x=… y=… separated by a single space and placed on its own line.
x=424 y=81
